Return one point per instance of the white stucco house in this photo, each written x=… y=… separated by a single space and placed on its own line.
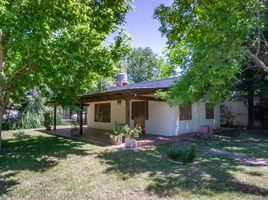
x=136 y=104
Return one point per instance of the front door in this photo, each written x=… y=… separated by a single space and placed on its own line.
x=139 y=112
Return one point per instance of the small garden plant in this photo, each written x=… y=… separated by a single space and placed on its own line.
x=135 y=132
x=178 y=153
x=120 y=129
x=125 y=130
x=48 y=119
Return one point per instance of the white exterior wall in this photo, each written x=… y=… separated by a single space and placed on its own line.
x=162 y=118
x=198 y=119
x=117 y=114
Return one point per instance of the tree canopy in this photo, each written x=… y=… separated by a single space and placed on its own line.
x=141 y=64
x=57 y=46
x=211 y=41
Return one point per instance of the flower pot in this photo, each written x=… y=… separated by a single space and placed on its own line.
x=116 y=139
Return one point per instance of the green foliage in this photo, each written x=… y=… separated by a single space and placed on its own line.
x=120 y=129
x=58 y=46
x=48 y=118
x=178 y=153
x=10 y=124
x=31 y=112
x=208 y=43
x=135 y=132
x=125 y=130
x=141 y=65
x=59 y=116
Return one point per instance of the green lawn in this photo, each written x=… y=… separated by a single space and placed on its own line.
x=39 y=166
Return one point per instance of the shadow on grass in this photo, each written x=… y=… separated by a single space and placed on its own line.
x=35 y=153
x=7 y=182
x=248 y=142
x=212 y=175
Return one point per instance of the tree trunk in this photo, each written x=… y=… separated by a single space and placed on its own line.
x=3 y=105
x=2 y=111
x=251 y=107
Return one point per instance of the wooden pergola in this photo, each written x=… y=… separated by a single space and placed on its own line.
x=124 y=94
x=80 y=104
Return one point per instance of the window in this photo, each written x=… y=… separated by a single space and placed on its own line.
x=103 y=112
x=209 y=111
x=186 y=112
x=139 y=109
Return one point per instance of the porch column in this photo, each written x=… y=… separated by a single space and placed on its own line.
x=81 y=119
x=55 y=116
x=127 y=111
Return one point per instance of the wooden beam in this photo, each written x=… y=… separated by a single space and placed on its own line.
x=147 y=98
x=81 y=119
x=120 y=96
x=127 y=111
x=55 y=116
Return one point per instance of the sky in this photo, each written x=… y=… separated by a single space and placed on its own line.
x=143 y=28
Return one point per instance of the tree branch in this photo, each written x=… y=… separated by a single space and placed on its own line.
x=264 y=39
x=19 y=73
x=258 y=61
x=258 y=45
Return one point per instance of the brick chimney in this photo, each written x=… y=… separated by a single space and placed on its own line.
x=121 y=79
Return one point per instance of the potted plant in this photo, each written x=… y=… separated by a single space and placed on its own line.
x=47 y=120
x=116 y=137
x=131 y=137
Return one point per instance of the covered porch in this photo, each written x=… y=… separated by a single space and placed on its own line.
x=101 y=136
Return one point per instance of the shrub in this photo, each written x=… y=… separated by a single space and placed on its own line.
x=177 y=153
x=125 y=130
x=120 y=129
x=48 y=118
x=10 y=124
x=191 y=153
x=136 y=132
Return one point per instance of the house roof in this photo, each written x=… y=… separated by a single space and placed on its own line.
x=134 y=90
x=156 y=84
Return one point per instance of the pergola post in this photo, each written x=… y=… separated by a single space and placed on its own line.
x=55 y=116
x=127 y=111
x=81 y=119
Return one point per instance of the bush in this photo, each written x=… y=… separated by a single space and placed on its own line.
x=125 y=130
x=48 y=118
x=120 y=129
x=175 y=152
x=10 y=124
x=135 y=132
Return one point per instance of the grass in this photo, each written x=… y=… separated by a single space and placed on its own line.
x=40 y=166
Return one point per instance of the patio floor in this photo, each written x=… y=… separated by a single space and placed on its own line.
x=89 y=134
x=103 y=136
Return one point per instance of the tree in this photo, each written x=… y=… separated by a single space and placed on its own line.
x=251 y=82
x=210 y=41
x=57 y=46
x=141 y=65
